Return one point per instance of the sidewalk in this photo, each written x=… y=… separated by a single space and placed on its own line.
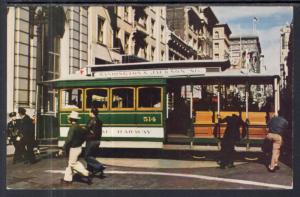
x=10 y=149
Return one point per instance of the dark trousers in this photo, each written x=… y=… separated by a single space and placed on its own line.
x=91 y=149
x=227 y=151
x=19 y=153
x=29 y=152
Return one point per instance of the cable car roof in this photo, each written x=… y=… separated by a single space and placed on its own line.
x=223 y=64
x=203 y=70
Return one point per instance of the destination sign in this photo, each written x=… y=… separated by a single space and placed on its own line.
x=164 y=72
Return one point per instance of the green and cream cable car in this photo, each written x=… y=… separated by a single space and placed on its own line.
x=148 y=105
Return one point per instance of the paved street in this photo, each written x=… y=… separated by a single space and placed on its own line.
x=156 y=170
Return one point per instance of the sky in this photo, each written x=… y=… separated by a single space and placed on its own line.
x=270 y=20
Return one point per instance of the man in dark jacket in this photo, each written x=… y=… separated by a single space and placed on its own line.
x=231 y=136
x=277 y=126
x=94 y=127
x=16 y=137
x=27 y=130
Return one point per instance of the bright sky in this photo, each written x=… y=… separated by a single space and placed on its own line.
x=270 y=20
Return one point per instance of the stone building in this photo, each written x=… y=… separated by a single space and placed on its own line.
x=43 y=43
x=179 y=49
x=221 y=44
x=194 y=25
x=245 y=52
x=127 y=33
x=46 y=42
x=284 y=49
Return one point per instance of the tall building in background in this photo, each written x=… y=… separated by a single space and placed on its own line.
x=245 y=52
x=180 y=49
x=194 y=25
x=120 y=34
x=221 y=44
x=284 y=49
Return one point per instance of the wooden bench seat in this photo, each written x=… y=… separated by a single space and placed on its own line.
x=256 y=118
x=204 y=124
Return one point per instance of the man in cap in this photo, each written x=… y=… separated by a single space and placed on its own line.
x=15 y=137
x=27 y=130
x=72 y=147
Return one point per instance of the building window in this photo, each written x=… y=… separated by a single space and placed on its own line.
x=126 y=13
x=194 y=43
x=216 y=34
x=162 y=32
x=284 y=41
x=122 y=98
x=162 y=12
x=190 y=40
x=126 y=44
x=71 y=99
x=152 y=53
x=52 y=72
x=216 y=45
x=100 y=30
x=216 y=56
x=145 y=51
x=116 y=42
x=162 y=57
x=96 y=98
x=150 y=98
x=152 y=27
x=116 y=10
x=54 y=59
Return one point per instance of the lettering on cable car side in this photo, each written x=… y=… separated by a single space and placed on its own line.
x=154 y=72
x=132 y=132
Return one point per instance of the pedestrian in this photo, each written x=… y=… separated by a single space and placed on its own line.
x=231 y=136
x=27 y=130
x=94 y=133
x=276 y=126
x=15 y=137
x=72 y=148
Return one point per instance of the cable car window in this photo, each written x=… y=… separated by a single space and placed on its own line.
x=96 y=98
x=71 y=99
x=149 y=97
x=122 y=98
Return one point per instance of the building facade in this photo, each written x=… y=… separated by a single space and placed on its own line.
x=194 y=25
x=127 y=34
x=245 y=53
x=46 y=43
x=179 y=49
x=221 y=44
x=284 y=50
